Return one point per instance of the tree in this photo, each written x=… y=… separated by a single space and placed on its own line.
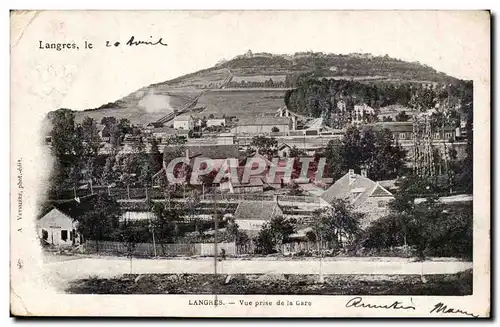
x=91 y=143
x=335 y=166
x=267 y=146
x=100 y=219
x=190 y=206
x=275 y=233
x=402 y=116
x=129 y=238
x=338 y=223
x=109 y=174
x=375 y=151
x=68 y=151
x=387 y=158
x=428 y=227
x=296 y=152
x=166 y=221
x=237 y=236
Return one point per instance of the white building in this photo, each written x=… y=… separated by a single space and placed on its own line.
x=185 y=122
x=216 y=122
x=57 y=228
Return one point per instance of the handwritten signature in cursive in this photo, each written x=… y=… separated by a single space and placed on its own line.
x=443 y=308
x=357 y=302
x=132 y=41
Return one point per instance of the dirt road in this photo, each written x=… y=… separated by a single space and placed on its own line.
x=112 y=266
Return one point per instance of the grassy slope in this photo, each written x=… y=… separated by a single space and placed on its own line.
x=174 y=94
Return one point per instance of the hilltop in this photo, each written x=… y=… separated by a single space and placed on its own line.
x=255 y=84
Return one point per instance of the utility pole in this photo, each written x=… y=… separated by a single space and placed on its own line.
x=215 y=251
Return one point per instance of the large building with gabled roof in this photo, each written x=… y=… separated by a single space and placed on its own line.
x=365 y=195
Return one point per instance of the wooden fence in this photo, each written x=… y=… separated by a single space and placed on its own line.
x=136 y=193
x=168 y=249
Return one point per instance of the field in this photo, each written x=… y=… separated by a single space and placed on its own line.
x=259 y=78
x=204 y=79
x=455 y=284
x=242 y=103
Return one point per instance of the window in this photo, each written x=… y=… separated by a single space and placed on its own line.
x=45 y=234
x=64 y=235
x=381 y=204
x=448 y=135
x=436 y=136
x=402 y=136
x=70 y=235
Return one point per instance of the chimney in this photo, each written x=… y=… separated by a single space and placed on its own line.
x=363 y=173
x=352 y=176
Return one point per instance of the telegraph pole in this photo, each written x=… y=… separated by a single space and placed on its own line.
x=215 y=250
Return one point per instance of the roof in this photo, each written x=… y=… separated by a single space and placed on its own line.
x=254 y=181
x=257 y=210
x=264 y=121
x=55 y=213
x=219 y=151
x=283 y=146
x=357 y=192
x=394 y=126
x=70 y=207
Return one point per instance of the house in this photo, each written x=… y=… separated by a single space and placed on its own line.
x=185 y=122
x=365 y=195
x=58 y=228
x=162 y=134
x=216 y=122
x=251 y=215
x=217 y=153
x=258 y=125
x=284 y=150
x=402 y=131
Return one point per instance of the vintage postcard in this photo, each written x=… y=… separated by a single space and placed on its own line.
x=250 y=163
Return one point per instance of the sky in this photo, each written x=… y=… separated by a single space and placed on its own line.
x=456 y=43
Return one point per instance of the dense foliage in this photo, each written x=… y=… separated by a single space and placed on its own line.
x=334 y=99
x=274 y=233
x=430 y=227
x=372 y=150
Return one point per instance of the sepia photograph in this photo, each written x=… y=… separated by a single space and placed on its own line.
x=237 y=164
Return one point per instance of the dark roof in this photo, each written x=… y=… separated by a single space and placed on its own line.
x=257 y=210
x=219 y=151
x=394 y=126
x=70 y=207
